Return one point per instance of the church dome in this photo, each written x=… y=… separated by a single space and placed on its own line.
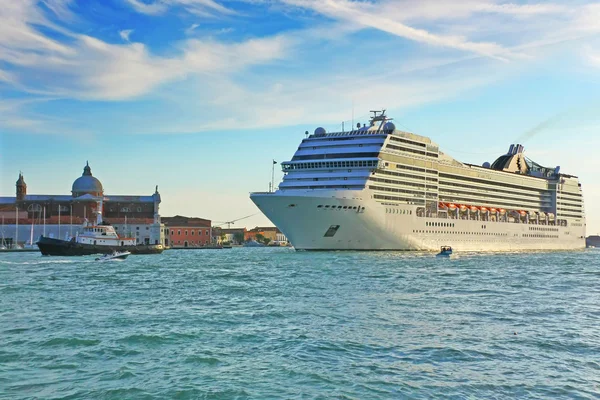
x=87 y=184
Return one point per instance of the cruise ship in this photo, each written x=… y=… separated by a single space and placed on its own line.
x=379 y=188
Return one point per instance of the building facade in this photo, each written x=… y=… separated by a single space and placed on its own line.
x=272 y=233
x=187 y=232
x=234 y=235
x=62 y=215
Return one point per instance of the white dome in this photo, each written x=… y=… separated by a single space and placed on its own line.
x=320 y=131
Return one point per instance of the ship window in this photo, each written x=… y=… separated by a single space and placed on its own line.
x=327 y=206
x=319 y=206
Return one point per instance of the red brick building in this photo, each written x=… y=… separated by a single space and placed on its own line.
x=187 y=232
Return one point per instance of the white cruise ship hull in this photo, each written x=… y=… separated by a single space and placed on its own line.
x=345 y=225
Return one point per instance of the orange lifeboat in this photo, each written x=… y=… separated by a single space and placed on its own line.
x=452 y=206
x=463 y=207
x=502 y=211
x=523 y=213
x=483 y=210
x=442 y=205
x=493 y=210
x=474 y=208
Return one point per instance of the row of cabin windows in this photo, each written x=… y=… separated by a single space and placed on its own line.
x=411 y=176
x=495 y=201
x=442 y=224
x=329 y=164
x=541 y=228
x=537 y=195
x=408 y=200
x=409 y=168
x=398 y=211
x=492 y=194
x=537 y=235
x=462 y=233
x=396 y=139
x=395 y=190
x=492 y=182
x=405 y=183
x=341 y=207
x=334 y=155
x=422 y=153
x=191 y=242
x=186 y=232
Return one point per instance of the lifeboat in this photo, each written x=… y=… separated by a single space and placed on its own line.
x=452 y=206
x=483 y=210
x=442 y=205
x=474 y=208
x=463 y=207
x=502 y=211
x=522 y=212
x=493 y=210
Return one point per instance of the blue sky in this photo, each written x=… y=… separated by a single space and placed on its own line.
x=198 y=96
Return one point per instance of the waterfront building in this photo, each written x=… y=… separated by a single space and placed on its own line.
x=187 y=231
x=234 y=235
x=62 y=216
x=268 y=232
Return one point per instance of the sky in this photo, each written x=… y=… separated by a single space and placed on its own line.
x=199 y=96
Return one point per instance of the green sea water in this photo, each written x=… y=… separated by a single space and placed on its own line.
x=268 y=323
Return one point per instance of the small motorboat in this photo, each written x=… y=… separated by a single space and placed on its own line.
x=445 y=251
x=115 y=255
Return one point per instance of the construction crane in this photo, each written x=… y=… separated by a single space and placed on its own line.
x=229 y=223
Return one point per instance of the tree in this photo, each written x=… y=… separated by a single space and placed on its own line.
x=238 y=237
x=260 y=238
x=266 y=241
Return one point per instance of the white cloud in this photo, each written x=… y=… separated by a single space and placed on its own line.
x=372 y=16
x=190 y=30
x=125 y=34
x=205 y=8
x=148 y=8
x=521 y=9
x=594 y=58
x=61 y=8
x=87 y=68
x=6 y=76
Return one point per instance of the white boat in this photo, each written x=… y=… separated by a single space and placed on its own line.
x=379 y=188
x=445 y=251
x=117 y=255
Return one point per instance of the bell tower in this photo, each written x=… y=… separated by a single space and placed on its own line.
x=21 y=188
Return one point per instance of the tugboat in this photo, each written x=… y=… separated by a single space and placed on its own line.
x=445 y=251
x=95 y=239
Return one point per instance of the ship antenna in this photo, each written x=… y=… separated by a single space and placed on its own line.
x=352 y=126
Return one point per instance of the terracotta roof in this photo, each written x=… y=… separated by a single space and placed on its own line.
x=179 y=220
